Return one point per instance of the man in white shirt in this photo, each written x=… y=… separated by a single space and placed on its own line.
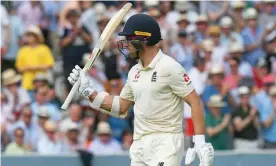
x=104 y=143
x=51 y=144
x=157 y=86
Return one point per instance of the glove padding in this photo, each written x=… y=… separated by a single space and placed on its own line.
x=86 y=87
x=205 y=153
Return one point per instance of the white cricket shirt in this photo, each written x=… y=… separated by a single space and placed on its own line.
x=157 y=91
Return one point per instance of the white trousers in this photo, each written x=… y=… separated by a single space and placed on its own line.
x=158 y=149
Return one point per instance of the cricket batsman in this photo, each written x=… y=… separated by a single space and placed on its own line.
x=157 y=86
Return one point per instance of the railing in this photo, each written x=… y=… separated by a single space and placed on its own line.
x=222 y=158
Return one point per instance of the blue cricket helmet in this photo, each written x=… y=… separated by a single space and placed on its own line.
x=142 y=25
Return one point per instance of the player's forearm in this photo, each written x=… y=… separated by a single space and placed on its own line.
x=107 y=103
x=198 y=118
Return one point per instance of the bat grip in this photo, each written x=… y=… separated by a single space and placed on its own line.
x=71 y=94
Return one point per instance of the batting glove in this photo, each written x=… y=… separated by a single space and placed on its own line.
x=204 y=151
x=86 y=87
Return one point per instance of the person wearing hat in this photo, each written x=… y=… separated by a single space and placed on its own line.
x=218 y=87
x=34 y=58
x=75 y=41
x=15 y=93
x=245 y=122
x=219 y=51
x=206 y=51
x=181 y=50
x=157 y=87
x=237 y=14
x=201 y=28
x=253 y=37
x=217 y=123
x=73 y=137
x=236 y=51
x=42 y=117
x=104 y=143
x=228 y=34
x=51 y=144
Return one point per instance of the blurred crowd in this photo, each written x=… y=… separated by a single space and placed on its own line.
x=227 y=48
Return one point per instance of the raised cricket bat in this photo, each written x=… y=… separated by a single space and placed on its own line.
x=108 y=31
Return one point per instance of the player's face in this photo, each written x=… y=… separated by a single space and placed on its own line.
x=127 y=48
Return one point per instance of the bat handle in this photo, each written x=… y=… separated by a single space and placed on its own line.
x=71 y=94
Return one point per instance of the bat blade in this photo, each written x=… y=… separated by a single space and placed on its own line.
x=105 y=36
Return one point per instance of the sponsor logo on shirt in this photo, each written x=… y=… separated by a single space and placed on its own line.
x=136 y=77
x=187 y=79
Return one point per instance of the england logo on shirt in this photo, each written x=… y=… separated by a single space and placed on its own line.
x=153 y=78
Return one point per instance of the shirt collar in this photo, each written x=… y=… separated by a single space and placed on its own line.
x=153 y=63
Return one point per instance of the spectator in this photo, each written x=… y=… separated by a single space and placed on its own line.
x=88 y=19
x=252 y=36
x=104 y=143
x=5 y=31
x=41 y=101
x=164 y=26
x=34 y=58
x=30 y=13
x=52 y=9
x=270 y=45
x=237 y=14
x=52 y=98
x=43 y=117
x=206 y=51
x=73 y=139
x=5 y=139
x=268 y=120
x=217 y=87
x=17 y=96
x=111 y=58
x=75 y=117
x=182 y=24
x=199 y=75
x=219 y=51
x=16 y=32
x=17 y=146
x=214 y=9
x=236 y=51
x=267 y=17
x=181 y=52
x=245 y=122
x=40 y=80
x=7 y=117
x=260 y=71
x=127 y=139
x=217 y=123
x=28 y=125
x=88 y=123
x=74 y=41
x=51 y=144
x=201 y=26
x=228 y=35
x=234 y=77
